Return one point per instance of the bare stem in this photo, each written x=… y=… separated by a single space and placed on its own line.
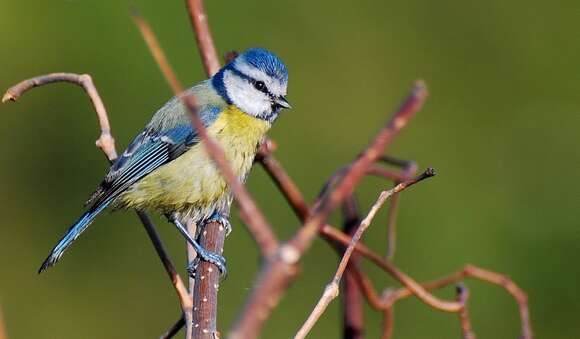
x=174 y=329
x=462 y=296
x=105 y=142
x=331 y=291
x=352 y=299
x=205 y=45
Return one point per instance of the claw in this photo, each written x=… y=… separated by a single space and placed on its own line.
x=211 y=257
x=222 y=220
x=202 y=253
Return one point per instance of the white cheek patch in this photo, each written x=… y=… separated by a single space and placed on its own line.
x=245 y=96
x=273 y=85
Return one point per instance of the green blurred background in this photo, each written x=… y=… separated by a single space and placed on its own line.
x=500 y=127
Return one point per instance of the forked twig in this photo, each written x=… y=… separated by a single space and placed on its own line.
x=332 y=289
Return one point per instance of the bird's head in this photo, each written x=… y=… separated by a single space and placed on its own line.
x=255 y=81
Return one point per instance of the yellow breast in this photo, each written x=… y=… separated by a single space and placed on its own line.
x=192 y=183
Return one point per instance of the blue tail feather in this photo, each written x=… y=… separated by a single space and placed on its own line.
x=71 y=235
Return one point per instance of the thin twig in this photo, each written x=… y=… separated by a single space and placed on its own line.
x=421 y=293
x=388 y=323
x=485 y=275
x=205 y=45
x=462 y=296
x=175 y=328
x=185 y=300
x=409 y=169
x=332 y=289
x=352 y=299
x=105 y=142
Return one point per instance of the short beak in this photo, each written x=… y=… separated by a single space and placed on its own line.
x=282 y=102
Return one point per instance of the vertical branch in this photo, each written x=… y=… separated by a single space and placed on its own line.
x=409 y=169
x=388 y=323
x=2 y=328
x=462 y=296
x=207 y=50
x=352 y=307
x=207 y=279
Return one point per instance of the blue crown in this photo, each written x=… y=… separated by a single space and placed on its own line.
x=266 y=61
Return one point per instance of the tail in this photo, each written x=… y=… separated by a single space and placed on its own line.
x=71 y=235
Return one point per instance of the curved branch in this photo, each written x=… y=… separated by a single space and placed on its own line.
x=105 y=142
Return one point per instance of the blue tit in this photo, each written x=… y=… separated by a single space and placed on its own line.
x=166 y=169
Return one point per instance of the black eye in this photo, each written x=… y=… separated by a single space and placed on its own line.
x=259 y=85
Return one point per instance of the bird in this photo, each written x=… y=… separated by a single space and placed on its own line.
x=166 y=169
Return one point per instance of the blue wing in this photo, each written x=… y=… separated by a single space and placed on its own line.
x=146 y=153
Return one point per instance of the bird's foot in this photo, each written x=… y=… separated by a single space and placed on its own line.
x=221 y=219
x=202 y=253
x=208 y=256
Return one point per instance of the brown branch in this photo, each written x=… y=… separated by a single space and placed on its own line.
x=462 y=296
x=469 y=271
x=388 y=323
x=207 y=279
x=352 y=300
x=331 y=291
x=203 y=36
x=410 y=283
x=178 y=285
x=105 y=142
x=484 y=275
x=2 y=328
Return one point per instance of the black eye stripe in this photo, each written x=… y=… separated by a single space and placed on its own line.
x=254 y=82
